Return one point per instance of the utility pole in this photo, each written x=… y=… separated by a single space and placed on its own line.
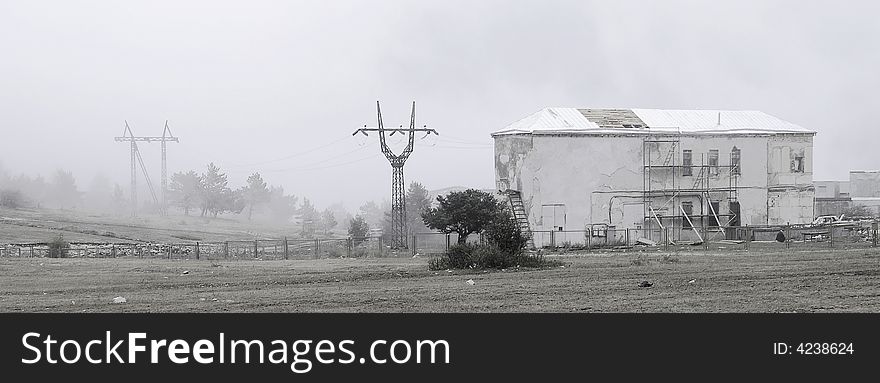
x=398 y=192
x=136 y=159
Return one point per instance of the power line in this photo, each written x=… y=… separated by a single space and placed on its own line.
x=312 y=164
x=337 y=165
x=289 y=156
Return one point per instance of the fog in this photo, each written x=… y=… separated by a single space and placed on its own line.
x=279 y=86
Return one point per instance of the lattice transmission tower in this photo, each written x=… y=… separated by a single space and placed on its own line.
x=128 y=136
x=398 y=190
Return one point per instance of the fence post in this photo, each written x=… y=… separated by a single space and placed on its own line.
x=625 y=237
x=447 y=242
x=348 y=243
x=589 y=239
x=748 y=237
x=197 y=251
x=787 y=235
x=316 y=249
x=874 y=233
x=831 y=236
x=414 y=243
x=666 y=241
x=705 y=237
x=285 y=248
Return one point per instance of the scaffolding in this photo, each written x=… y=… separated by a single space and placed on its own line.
x=670 y=185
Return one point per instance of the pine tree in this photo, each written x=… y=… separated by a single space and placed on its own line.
x=185 y=190
x=255 y=193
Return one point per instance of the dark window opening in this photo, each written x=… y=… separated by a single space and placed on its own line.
x=688 y=208
x=734 y=212
x=686 y=163
x=797 y=164
x=713 y=219
x=734 y=161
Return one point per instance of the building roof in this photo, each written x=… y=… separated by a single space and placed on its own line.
x=650 y=121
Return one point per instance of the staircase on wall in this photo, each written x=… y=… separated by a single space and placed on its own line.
x=519 y=213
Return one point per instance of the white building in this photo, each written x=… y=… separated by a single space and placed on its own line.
x=650 y=168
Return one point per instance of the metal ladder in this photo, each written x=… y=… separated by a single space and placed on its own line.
x=519 y=213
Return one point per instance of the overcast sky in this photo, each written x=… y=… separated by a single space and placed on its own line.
x=279 y=86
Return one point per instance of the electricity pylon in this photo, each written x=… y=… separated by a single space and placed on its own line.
x=136 y=159
x=398 y=191
x=164 y=139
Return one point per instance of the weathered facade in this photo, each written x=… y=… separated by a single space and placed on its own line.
x=649 y=168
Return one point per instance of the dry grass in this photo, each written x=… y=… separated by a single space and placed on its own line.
x=816 y=281
x=25 y=226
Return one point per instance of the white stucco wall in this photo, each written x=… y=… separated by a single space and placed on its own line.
x=593 y=176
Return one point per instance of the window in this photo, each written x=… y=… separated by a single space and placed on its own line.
x=713 y=220
x=734 y=212
x=713 y=162
x=797 y=164
x=688 y=208
x=734 y=161
x=687 y=161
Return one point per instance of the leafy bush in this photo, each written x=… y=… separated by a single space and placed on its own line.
x=467 y=256
x=459 y=256
x=504 y=232
x=58 y=247
x=438 y=263
x=492 y=257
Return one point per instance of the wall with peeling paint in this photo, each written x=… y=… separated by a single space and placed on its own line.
x=600 y=178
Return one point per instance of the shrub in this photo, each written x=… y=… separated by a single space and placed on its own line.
x=438 y=263
x=12 y=199
x=459 y=256
x=491 y=257
x=504 y=233
x=467 y=256
x=58 y=247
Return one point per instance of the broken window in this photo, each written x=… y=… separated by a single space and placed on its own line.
x=686 y=163
x=713 y=162
x=797 y=163
x=688 y=208
x=734 y=161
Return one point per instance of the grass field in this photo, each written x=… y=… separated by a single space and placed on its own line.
x=27 y=226
x=815 y=281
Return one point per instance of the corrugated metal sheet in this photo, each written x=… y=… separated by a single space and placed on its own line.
x=573 y=121
x=716 y=121
x=550 y=119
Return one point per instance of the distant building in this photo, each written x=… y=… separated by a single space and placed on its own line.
x=649 y=168
x=862 y=189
